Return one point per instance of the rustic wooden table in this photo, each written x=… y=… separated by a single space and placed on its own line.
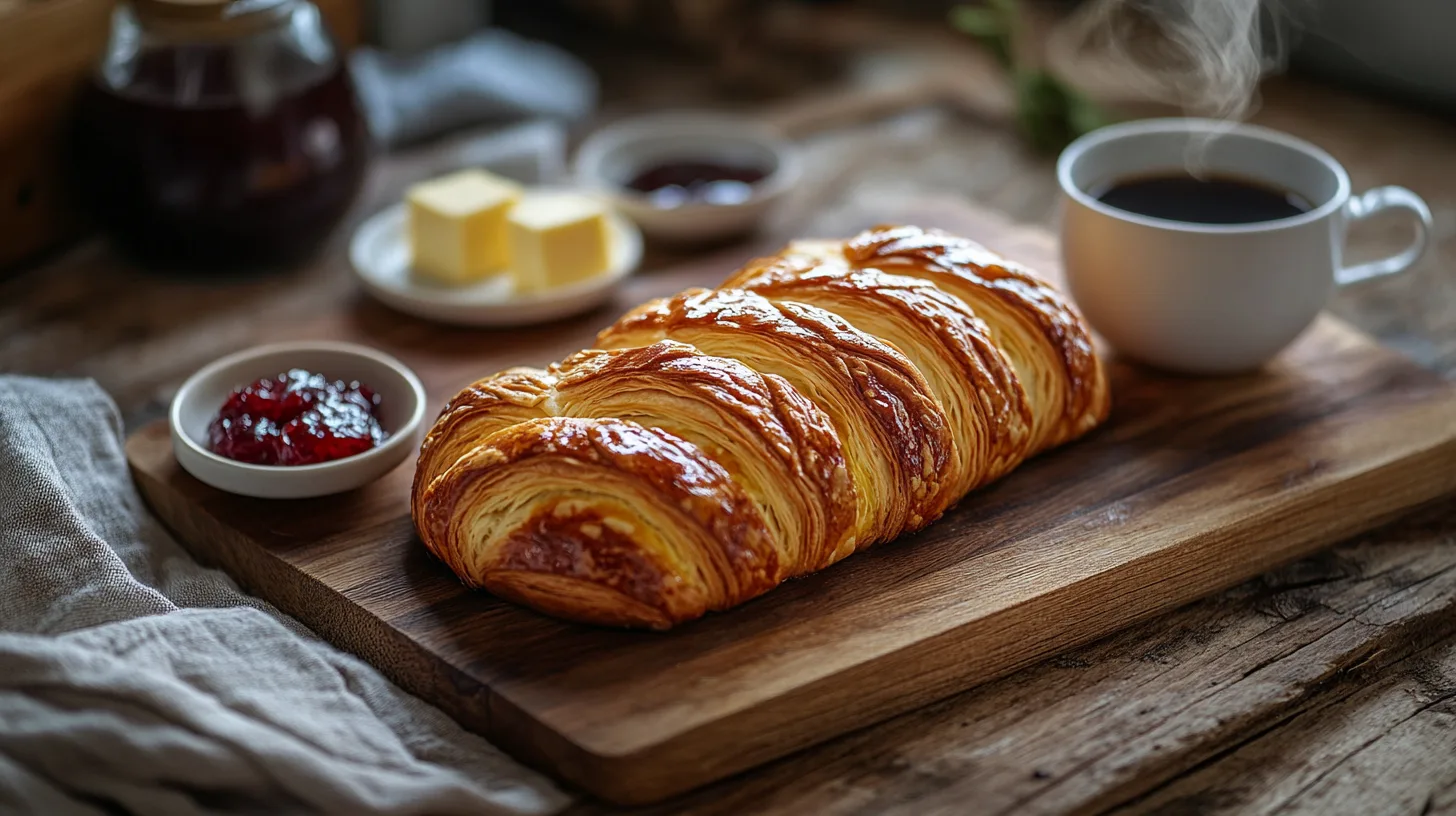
x=1327 y=686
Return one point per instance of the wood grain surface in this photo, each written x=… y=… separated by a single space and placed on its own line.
x=1285 y=694
x=1273 y=697
x=1193 y=486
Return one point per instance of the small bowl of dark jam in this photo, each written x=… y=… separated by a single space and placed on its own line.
x=296 y=420
x=690 y=177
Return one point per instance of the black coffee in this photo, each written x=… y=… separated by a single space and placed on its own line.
x=1207 y=200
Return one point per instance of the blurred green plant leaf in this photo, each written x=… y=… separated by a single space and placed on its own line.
x=1084 y=115
x=978 y=21
x=1049 y=113
x=1041 y=110
x=989 y=25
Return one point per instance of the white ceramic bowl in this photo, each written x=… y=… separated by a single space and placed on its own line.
x=401 y=413
x=611 y=157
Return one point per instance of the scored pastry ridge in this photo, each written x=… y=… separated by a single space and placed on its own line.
x=896 y=439
x=970 y=377
x=775 y=443
x=720 y=441
x=622 y=513
x=1033 y=322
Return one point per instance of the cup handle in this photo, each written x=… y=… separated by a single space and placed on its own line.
x=1378 y=200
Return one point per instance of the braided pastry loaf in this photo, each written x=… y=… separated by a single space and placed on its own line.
x=721 y=441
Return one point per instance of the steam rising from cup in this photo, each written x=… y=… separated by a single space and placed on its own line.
x=1205 y=57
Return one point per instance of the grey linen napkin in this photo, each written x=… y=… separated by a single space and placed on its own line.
x=134 y=680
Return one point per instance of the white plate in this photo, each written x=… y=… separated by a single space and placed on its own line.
x=380 y=255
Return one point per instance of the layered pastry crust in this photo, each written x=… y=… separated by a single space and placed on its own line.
x=896 y=438
x=1035 y=325
x=720 y=441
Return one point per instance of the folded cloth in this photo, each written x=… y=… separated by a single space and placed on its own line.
x=490 y=76
x=133 y=680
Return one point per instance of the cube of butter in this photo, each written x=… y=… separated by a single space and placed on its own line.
x=457 y=225
x=556 y=239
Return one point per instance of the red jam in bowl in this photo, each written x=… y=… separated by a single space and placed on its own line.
x=297 y=418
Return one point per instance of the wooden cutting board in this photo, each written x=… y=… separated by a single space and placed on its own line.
x=1193 y=485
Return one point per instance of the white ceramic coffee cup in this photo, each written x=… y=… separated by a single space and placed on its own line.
x=1213 y=298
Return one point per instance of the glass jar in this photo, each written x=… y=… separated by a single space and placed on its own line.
x=219 y=132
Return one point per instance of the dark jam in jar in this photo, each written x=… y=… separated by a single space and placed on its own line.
x=673 y=184
x=297 y=418
x=235 y=152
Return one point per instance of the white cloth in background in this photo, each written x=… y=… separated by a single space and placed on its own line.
x=489 y=76
x=133 y=680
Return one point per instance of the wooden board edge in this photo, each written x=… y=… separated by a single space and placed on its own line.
x=676 y=766
x=322 y=609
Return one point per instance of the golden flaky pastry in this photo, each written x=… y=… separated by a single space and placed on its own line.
x=721 y=441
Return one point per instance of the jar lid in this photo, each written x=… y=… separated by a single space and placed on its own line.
x=210 y=17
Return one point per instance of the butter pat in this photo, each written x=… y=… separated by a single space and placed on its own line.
x=457 y=226
x=557 y=239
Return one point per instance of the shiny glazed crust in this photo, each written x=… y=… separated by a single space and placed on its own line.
x=600 y=520
x=967 y=374
x=776 y=444
x=896 y=438
x=1034 y=324
x=721 y=441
